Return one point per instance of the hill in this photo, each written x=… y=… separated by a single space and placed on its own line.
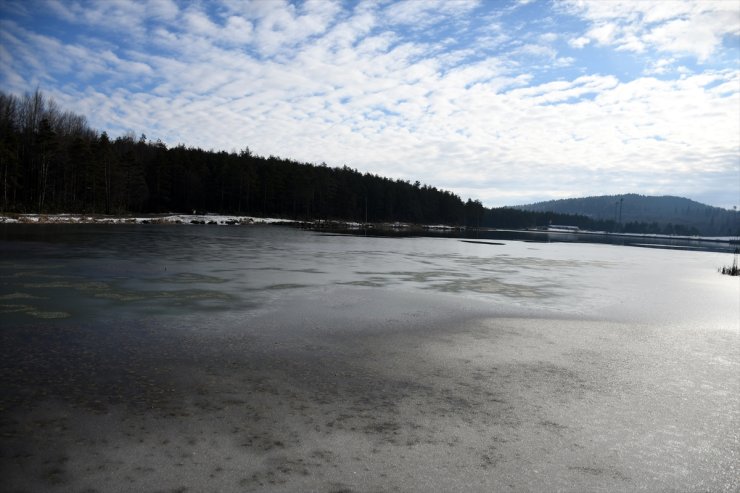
x=647 y=214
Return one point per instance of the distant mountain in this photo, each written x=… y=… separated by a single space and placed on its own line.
x=640 y=213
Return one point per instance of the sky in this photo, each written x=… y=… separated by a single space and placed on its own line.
x=506 y=102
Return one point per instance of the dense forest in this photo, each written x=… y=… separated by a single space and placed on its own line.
x=52 y=161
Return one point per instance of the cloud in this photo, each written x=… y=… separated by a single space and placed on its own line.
x=699 y=35
x=548 y=37
x=579 y=42
x=162 y=9
x=536 y=50
x=198 y=23
x=280 y=24
x=421 y=14
x=687 y=27
x=502 y=116
x=660 y=66
x=115 y=15
x=604 y=33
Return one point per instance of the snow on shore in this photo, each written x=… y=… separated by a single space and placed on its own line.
x=203 y=219
x=152 y=219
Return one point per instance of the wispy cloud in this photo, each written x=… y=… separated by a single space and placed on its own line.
x=488 y=100
x=685 y=27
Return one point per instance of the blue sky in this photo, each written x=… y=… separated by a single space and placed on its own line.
x=507 y=102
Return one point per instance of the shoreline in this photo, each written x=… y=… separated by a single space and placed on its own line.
x=607 y=234
x=218 y=219
x=168 y=218
x=316 y=224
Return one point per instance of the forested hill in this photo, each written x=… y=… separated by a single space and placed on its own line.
x=640 y=213
x=51 y=161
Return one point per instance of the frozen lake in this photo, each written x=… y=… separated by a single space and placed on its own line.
x=214 y=358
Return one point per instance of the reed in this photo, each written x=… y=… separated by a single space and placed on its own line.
x=733 y=270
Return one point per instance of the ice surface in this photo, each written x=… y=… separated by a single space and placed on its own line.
x=265 y=358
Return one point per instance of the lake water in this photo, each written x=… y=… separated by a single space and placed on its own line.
x=257 y=358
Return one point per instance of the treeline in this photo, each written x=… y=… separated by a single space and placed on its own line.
x=512 y=218
x=665 y=229
x=52 y=161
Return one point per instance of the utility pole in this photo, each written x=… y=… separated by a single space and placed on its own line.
x=616 y=209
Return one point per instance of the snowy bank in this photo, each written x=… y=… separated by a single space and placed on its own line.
x=145 y=219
